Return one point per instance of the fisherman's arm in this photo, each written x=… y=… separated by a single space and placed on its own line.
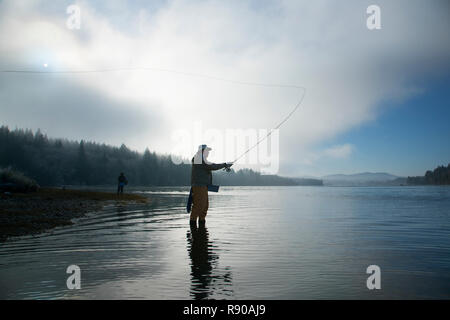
x=217 y=166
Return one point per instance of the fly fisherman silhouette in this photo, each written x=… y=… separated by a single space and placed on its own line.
x=201 y=183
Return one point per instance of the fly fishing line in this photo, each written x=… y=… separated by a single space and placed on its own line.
x=190 y=74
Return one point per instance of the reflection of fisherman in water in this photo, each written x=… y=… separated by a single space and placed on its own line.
x=203 y=263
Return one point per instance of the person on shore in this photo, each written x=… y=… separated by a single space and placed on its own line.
x=201 y=178
x=122 y=181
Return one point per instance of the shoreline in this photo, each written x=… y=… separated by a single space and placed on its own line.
x=23 y=214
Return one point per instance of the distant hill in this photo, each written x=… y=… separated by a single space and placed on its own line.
x=363 y=179
x=308 y=181
x=365 y=176
x=247 y=177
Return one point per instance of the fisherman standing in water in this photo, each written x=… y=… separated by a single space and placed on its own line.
x=201 y=178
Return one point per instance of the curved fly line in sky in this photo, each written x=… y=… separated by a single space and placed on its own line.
x=189 y=74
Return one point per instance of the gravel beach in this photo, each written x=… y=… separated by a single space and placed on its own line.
x=33 y=213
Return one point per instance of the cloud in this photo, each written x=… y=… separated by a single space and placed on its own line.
x=71 y=111
x=339 y=151
x=322 y=45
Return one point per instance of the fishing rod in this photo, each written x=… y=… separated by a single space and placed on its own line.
x=191 y=74
x=228 y=169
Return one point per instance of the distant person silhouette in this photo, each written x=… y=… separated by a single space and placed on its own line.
x=122 y=181
x=201 y=178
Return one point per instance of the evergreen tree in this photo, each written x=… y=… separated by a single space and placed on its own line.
x=60 y=161
x=82 y=166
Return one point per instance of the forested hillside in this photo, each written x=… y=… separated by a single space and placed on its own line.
x=52 y=162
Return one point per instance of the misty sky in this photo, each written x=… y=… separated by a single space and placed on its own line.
x=376 y=100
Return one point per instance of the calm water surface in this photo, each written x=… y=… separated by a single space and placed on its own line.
x=259 y=243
